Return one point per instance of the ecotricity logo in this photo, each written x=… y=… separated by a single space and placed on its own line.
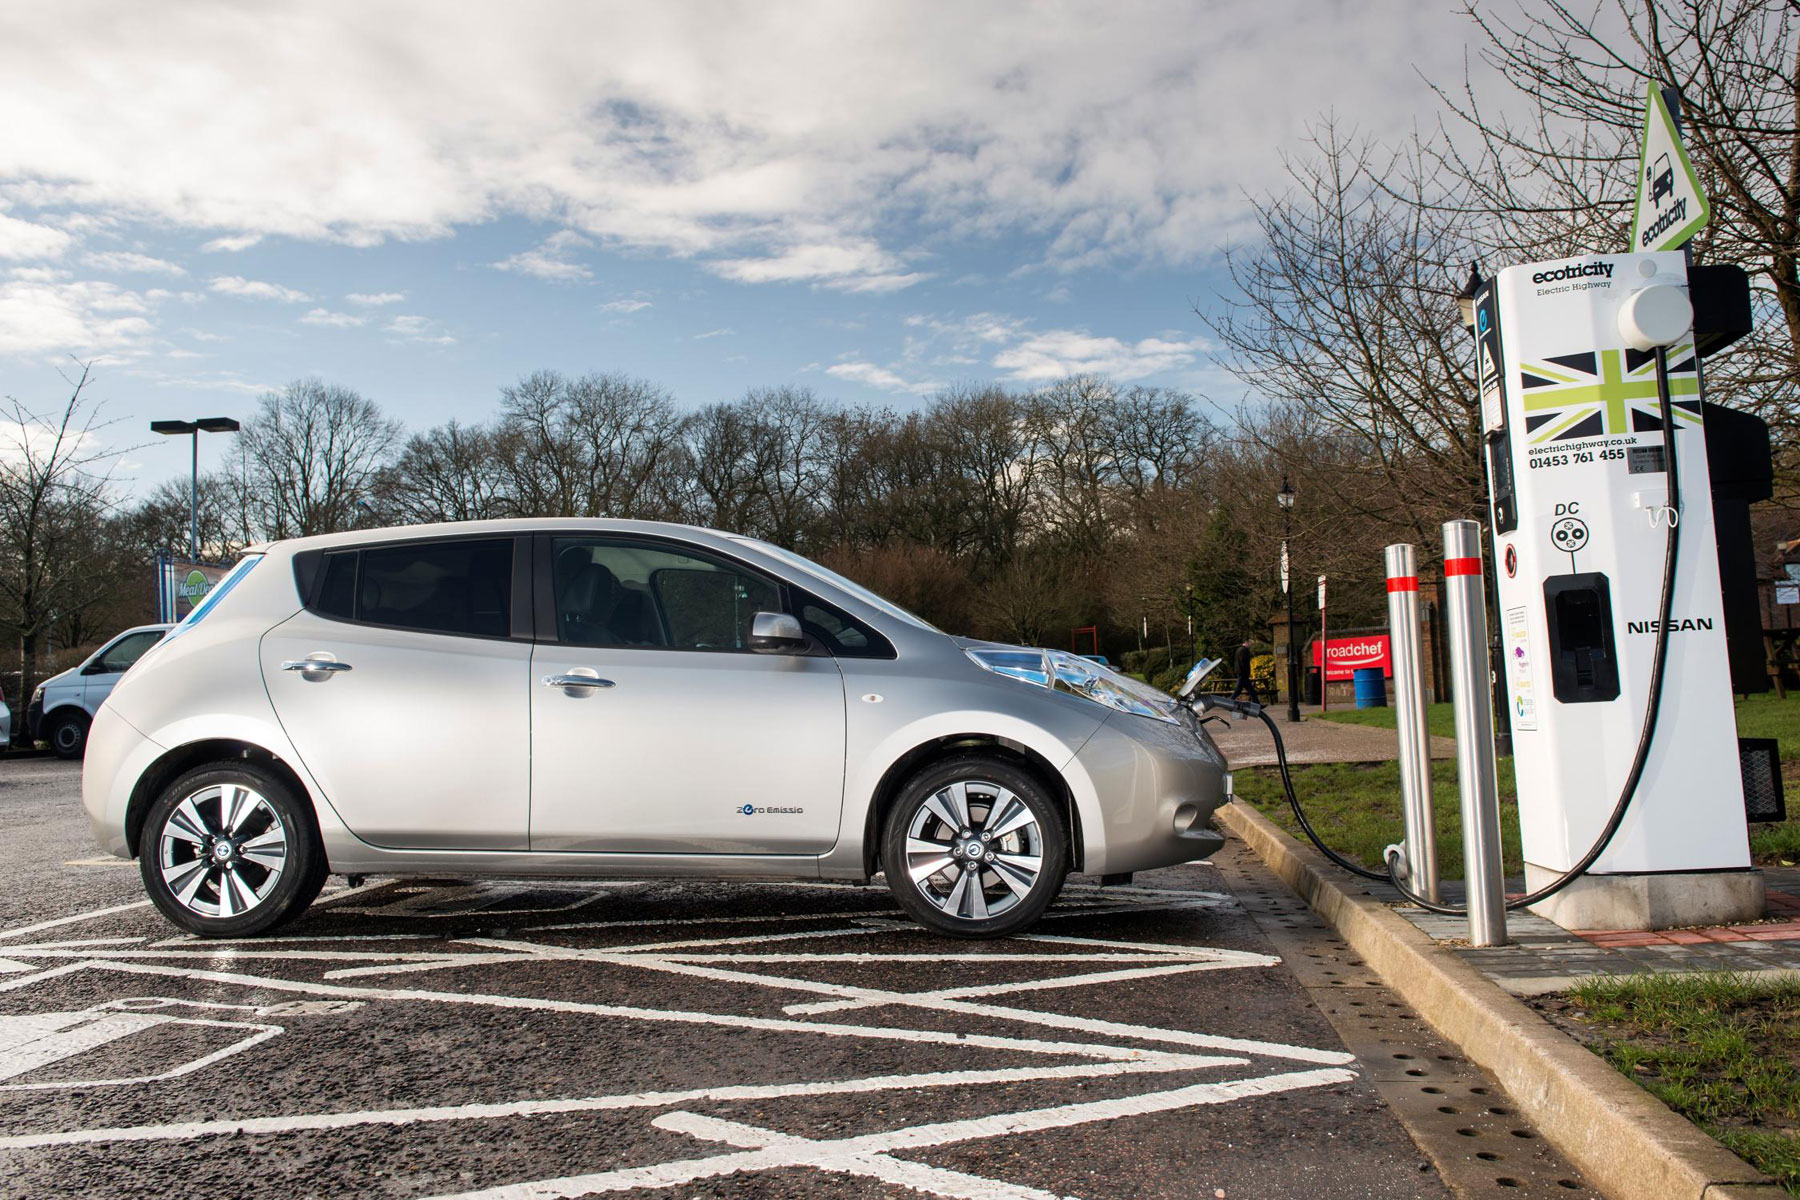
x=1575 y=271
x=751 y=810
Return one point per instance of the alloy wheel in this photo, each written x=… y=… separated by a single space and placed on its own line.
x=222 y=850
x=974 y=850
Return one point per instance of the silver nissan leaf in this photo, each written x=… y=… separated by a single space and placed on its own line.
x=616 y=699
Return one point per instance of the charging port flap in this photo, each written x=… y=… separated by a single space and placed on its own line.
x=1584 y=663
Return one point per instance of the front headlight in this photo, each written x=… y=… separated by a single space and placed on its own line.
x=1061 y=671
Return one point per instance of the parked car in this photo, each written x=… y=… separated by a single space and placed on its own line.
x=63 y=706
x=5 y=722
x=620 y=699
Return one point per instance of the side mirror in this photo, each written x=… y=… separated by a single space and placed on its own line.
x=776 y=633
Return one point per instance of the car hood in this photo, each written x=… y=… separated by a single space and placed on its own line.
x=62 y=677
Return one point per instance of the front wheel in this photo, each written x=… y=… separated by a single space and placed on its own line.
x=67 y=734
x=229 y=851
x=975 y=847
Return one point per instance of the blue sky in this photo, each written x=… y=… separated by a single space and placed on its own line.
x=424 y=202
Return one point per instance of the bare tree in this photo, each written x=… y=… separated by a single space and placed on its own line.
x=594 y=446
x=1562 y=180
x=1346 y=318
x=315 y=452
x=55 y=489
x=450 y=472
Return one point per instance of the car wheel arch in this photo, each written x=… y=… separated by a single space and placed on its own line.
x=894 y=779
x=175 y=763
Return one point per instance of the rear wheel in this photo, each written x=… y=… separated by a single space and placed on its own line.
x=230 y=851
x=975 y=847
x=67 y=734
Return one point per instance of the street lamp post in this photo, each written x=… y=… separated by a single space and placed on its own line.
x=194 y=429
x=1285 y=498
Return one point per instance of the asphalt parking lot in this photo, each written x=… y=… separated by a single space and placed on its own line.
x=1186 y=1036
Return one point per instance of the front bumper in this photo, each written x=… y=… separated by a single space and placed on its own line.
x=1158 y=785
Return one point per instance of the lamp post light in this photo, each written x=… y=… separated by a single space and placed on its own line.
x=1285 y=498
x=194 y=429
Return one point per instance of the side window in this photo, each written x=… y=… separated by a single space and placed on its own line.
x=840 y=633
x=337 y=591
x=623 y=593
x=121 y=654
x=440 y=587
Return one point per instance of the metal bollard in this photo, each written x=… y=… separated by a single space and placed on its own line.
x=1465 y=603
x=1418 y=853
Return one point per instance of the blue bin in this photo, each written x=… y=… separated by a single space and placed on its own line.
x=1371 y=688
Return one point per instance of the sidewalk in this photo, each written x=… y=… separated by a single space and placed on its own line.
x=1247 y=743
x=1547 y=958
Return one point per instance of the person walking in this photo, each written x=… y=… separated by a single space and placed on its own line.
x=1245 y=684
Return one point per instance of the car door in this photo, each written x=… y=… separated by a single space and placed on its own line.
x=106 y=668
x=402 y=686
x=654 y=729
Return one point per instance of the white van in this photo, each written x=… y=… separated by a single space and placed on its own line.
x=64 y=705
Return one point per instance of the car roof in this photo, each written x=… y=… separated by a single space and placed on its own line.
x=503 y=525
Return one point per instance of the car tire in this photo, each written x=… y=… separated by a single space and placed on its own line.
x=67 y=734
x=229 y=850
x=951 y=878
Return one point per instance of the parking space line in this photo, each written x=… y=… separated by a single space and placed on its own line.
x=845 y=1154
x=90 y=915
x=623 y=1012
x=924 y=1000
x=529 y=1108
x=997 y=989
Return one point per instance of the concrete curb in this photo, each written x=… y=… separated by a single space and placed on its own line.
x=1628 y=1144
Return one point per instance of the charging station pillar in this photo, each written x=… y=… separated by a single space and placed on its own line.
x=1465 y=603
x=1418 y=853
x=1579 y=481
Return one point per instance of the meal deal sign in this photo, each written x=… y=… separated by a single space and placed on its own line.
x=1347 y=654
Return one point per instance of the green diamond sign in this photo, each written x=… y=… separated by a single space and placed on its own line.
x=1671 y=208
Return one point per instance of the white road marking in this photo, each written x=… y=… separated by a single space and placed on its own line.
x=1113 y=1029
x=843 y=1154
x=22 y=930
x=530 y=1108
x=998 y=989
x=40 y=1039
x=623 y=1012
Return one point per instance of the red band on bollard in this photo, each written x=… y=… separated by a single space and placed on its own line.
x=1462 y=566
x=1403 y=583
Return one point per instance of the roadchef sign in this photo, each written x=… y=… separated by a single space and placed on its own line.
x=1347 y=654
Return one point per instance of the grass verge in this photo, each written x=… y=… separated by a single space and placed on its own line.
x=1721 y=1049
x=1771 y=844
x=1356 y=809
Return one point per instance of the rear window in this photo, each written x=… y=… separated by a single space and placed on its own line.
x=460 y=587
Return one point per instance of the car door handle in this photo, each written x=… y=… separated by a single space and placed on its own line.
x=576 y=681
x=311 y=665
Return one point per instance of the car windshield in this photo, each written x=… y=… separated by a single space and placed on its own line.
x=838 y=581
x=212 y=598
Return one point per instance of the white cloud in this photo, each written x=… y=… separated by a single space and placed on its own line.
x=130 y=262
x=713 y=333
x=336 y=320
x=1063 y=352
x=23 y=239
x=625 y=306
x=550 y=258
x=75 y=317
x=375 y=299
x=232 y=243
x=1129 y=135
x=256 y=289
x=412 y=328
x=878 y=377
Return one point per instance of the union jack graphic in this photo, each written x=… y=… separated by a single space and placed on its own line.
x=1606 y=392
